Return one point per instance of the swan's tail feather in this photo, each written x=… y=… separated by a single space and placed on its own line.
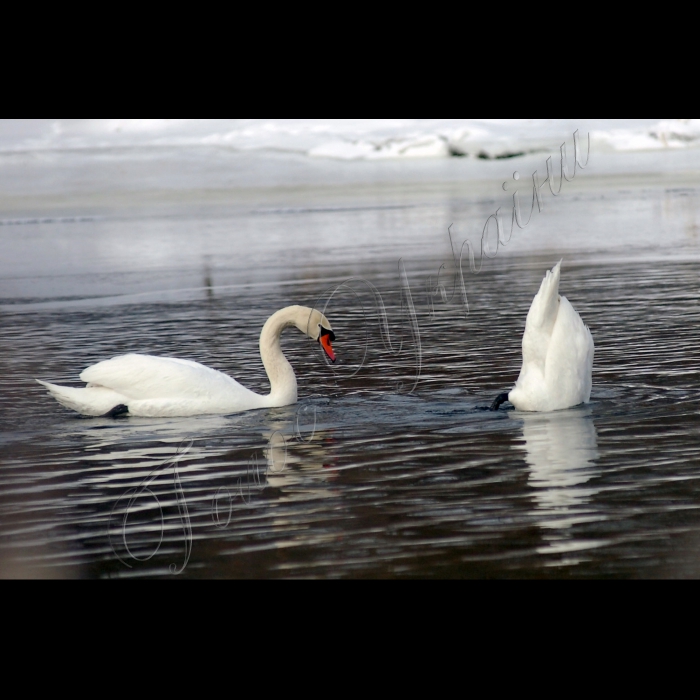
x=550 y=284
x=92 y=401
x=543 y=312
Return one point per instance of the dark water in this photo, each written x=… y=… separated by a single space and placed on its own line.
x=389 y=466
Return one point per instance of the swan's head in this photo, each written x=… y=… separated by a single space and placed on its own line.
x=317 y=327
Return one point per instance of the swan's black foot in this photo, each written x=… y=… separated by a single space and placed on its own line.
x=500 y=400
x=117 y=411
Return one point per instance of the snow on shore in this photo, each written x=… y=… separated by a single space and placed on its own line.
x=350 y=139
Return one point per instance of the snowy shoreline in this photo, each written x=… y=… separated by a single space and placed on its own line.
x=350 y=139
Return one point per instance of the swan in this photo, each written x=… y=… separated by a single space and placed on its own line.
x=558 y=350
x=152 y=387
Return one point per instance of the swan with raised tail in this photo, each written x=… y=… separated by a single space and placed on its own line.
x=558 y=352
x=142 y=385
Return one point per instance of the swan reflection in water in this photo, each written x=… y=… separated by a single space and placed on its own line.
x=162 y=485
x=298 y=459
x=561 y=450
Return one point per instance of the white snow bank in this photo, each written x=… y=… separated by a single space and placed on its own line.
x=350 y=139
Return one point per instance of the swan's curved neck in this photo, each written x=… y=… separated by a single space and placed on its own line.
x=283 y=381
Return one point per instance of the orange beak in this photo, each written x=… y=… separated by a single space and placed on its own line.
x=325 y=341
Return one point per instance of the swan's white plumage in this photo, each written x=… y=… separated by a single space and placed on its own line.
x=156 y=387
x=558 y=351
x=168 y=387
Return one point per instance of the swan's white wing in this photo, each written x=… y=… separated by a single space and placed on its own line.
x=569 y=369
x=541 y=320
x=143 y=377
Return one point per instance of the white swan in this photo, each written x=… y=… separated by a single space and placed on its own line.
x=151 y=387
x=558 y=351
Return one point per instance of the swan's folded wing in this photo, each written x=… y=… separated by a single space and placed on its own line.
x=143 y=377
x=541 y=320
x=570 y=357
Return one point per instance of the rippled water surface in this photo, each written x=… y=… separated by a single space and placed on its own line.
x=389 y=466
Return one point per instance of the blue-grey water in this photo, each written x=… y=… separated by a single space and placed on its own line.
x=389 y=466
